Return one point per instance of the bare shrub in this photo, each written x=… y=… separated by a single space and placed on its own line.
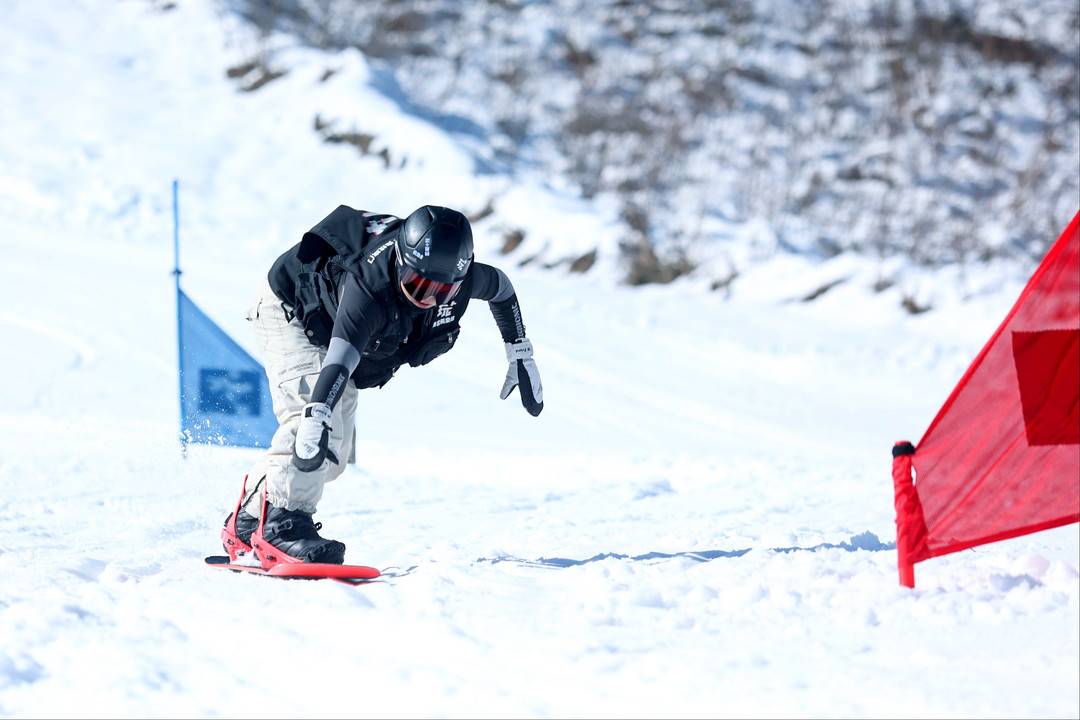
x=583 y=263
x=512 y=240
x=913 y=306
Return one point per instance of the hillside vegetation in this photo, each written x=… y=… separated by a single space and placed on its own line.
x=944 y=132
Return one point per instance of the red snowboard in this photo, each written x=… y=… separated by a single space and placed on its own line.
x=350 y=574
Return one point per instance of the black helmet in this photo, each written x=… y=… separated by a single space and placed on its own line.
x=434 y=250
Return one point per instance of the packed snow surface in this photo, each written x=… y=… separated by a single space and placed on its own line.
x=700 y=523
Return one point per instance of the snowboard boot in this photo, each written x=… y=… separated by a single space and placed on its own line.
x=290 y=536
x=240 y=525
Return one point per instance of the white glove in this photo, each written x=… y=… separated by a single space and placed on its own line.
x=524 y=373
x=312 y=438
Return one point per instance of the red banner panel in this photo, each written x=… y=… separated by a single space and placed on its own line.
x=1046 y=368
x=1002 y=457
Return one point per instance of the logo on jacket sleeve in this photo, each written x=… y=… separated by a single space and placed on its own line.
x=378 y=251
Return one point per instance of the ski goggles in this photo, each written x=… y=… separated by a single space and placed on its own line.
x=425 y=293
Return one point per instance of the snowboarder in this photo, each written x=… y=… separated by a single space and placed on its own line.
x=358 y=297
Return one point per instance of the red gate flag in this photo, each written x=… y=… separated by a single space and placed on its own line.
x=1002 y=457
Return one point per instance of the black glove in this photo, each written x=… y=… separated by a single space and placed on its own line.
x=311 y=448
x=524 y=373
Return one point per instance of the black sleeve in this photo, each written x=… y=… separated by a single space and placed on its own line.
x=331 y=382
x=491 y=284
x=508 y=317
x=359 y=316
x=487 y=281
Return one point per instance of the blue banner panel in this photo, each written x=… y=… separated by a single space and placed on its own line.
x=224 y=393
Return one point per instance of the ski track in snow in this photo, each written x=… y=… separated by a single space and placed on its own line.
x=699 y=524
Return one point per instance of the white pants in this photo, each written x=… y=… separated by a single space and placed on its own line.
x=292 y=365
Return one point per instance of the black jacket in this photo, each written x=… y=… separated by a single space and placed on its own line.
x=349 y=256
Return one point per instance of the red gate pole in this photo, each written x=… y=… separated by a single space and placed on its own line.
x=906 y=500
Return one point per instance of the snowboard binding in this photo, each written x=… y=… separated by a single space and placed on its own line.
x=232 y=539
x=291 y=529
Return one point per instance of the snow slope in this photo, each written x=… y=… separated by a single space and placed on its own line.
x=699 y=524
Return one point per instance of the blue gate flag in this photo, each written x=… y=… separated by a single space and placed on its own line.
x=224 y=393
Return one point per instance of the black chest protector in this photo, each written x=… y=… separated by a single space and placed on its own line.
x=362 y=244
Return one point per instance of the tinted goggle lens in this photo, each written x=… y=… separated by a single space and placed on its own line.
x=426 y=293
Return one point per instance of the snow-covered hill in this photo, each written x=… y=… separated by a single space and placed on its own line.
x=699 y=523
x=941 y=130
